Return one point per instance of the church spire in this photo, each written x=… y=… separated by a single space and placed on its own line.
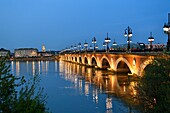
x=43 y=48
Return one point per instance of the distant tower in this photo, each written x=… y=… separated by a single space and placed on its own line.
x=43 y=48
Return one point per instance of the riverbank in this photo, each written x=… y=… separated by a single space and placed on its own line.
x=51 y=58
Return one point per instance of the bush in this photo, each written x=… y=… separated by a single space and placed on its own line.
x=154 y=87
x=29 y=99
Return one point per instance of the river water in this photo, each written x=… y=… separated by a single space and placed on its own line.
x=72 y=88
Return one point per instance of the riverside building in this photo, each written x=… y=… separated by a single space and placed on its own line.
x=25 y=52
x=4 y=52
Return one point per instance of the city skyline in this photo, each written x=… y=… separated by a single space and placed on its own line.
x=58 y=24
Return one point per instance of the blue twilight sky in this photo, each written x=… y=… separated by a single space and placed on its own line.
x=62 y=23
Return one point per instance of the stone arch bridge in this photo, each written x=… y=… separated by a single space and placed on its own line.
x=132 y=63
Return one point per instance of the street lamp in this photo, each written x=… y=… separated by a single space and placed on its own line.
x=114 y=45
x=75 y=47
x=79 y=46
x=71 y=48
x=104 y=45
x=128 y=33
x=94 y=42
x=96 y=47
x=151 y=39
x=166 y=29
x=85 y=45
x=91 y=47
x=107 y=41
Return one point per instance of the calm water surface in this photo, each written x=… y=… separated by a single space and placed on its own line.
x=73 y=88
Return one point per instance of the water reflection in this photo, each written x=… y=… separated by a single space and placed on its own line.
x=86 y=81
x=31 y=67
x=17 y=68
x=104 y=82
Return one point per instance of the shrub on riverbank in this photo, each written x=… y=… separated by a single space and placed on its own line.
x=154 y=87
x=28 y=99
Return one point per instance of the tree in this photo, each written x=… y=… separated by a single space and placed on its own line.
x=28 y=99
x=154 y=87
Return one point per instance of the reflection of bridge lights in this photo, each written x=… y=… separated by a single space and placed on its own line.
x=124 y=88
x=39 y=67
x=33 y=68
x=80 y=86
x=56 y=66
x=86 y=88
x=17 y=68
x=108 y=103
x=132 y=87
x=75 y=81
x=47 y=66
x=100 y=86
x=95 y=95
x=12 y=66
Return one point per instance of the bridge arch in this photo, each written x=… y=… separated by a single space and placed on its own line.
x=123 y=60
x=75 y=59
x=105 y=63
x=85 y=61
x=143 y=66
x=80 y=59
x=94 y=61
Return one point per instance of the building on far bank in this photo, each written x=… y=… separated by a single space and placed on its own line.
x=4 y=52
x=155 y=46
x=25 y=52
x=43 y=48
x=47 y=53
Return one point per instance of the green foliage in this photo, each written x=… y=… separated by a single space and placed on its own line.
x=28 y=99
x=154 y=87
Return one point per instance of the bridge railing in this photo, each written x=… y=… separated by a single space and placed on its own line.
x=133 y=51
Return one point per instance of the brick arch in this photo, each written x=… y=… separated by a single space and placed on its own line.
x=143 y=66
x=101 y=60
x=127 y=63
x=95 y=60
x=80 y=59
x=87 y=60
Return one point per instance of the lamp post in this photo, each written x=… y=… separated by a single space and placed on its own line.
x=91 y=48
x=85 y=45
x=71 y=48
x=104 y=45
x=75 y=47
x=107 y=41
x=166 y=29
x=94 y=42
x=151 y=39
x=96 y=47
x=128 y=33
x=79 y=46
x=114 y=45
